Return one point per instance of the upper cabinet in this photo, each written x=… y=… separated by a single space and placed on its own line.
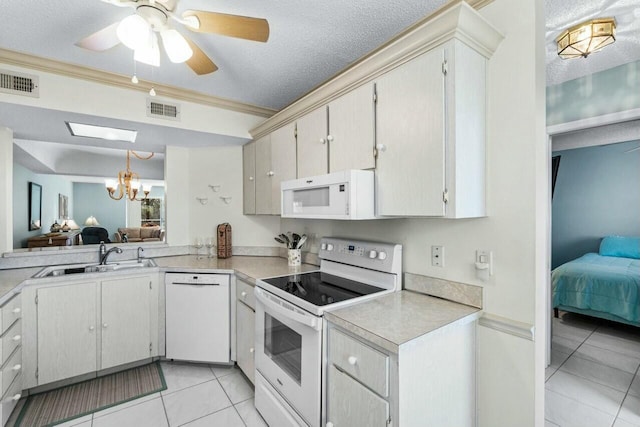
x=431 y=135
x=351 y=130
x=339 y=136
x=313 y=151
x=249 y=178
x=275 y=161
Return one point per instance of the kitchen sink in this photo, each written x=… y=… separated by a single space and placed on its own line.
x=63 y=270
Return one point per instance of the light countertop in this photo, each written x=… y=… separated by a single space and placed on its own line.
x=394 y=319
x=247 y=268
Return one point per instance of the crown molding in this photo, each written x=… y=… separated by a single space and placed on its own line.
x=24 y=60
x=456 y=19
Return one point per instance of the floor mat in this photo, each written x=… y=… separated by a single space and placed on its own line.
x=76 y=400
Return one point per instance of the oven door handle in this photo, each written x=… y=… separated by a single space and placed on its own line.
x=307 y=320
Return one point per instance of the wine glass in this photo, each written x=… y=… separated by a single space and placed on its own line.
x=209 y=244
x=198 y=245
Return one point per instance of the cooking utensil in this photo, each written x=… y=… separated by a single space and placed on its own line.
x=279 y=240
x=301 y=242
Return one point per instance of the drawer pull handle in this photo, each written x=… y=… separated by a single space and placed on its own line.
x=243 y=294
x=329 y=424
x=352 y=360
x=251 y=350
x=17 y=367
x=17 y=338
x=16 y=397
x=16 y=310
x=91 y=328
x=104 y=325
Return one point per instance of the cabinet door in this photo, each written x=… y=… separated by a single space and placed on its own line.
x=410 y=123
x=283 y=162
x=249 y=178
x=245 y=339
x=67 y=330
x=350 y=404
x=126 y=320
x=313 y=151
x=263 y=175
x=351 y=130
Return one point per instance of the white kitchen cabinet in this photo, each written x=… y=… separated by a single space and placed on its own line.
x=249 y=178
x=430 y=124
x=245 y=329
x=338 y=136
x=263 y=176
x=313 y=151
x=428 y=381
x=275 y=162
x=71 y=329
x=126 y=320
x=10 y=356
x=352 y=130
x=67 y=325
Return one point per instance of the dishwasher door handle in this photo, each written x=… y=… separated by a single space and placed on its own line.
x=194 y=284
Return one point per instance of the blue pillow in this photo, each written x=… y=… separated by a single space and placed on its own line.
x=626 y=247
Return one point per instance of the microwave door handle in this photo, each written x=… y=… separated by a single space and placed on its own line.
x=309 y=320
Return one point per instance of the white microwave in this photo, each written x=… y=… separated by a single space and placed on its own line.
x=340 y=195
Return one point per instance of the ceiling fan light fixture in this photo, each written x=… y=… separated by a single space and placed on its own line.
x=134 y=32
x=583 y=39
x=148 y=53
x=177 y=48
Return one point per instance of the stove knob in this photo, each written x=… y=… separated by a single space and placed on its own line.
x=329 y=246
x=373 y=254
x=382 y=256
x=323 y=246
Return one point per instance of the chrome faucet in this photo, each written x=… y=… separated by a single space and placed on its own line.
x=104 y=253
x=140 y=250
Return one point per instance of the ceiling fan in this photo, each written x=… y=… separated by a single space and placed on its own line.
x=152 y=17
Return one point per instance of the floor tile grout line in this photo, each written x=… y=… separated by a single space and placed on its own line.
x=164 y=408
x=626 y=395
x=239 y=416
x=203 y=416
x=163 y=393
x=579 y=402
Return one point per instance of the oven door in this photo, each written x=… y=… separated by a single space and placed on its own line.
x=288 y=353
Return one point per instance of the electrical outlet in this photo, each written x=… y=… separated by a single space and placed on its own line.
x=437 y=256
x=484 y=261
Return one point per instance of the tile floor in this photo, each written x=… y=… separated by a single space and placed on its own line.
x=593 y=379
x=196 y=396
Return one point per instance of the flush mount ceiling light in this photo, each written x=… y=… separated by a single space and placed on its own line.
x=128 y=182
x=585 y=38
x=102 y=132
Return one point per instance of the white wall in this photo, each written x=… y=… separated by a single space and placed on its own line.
x=223 y=166
x=6 y=189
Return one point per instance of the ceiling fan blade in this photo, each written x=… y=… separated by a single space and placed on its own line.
x=243 y=27
x=104 y=39
x=199 y=61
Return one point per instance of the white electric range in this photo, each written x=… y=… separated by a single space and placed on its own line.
x=289 y=323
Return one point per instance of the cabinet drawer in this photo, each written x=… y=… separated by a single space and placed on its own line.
x=362 y=362
x=10 y=399
x=11 y=369
x=244 y=293
x=10 y=312
x=10 y=340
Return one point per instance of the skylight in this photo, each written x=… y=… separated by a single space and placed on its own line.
x=102 y=132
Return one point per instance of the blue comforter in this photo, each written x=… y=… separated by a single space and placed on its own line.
x=600 y=283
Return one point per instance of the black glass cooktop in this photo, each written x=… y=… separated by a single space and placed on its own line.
x=321 y=288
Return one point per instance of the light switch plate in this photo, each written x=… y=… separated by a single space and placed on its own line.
x=437 y=256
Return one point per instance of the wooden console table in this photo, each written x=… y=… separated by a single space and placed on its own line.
x=68 y=238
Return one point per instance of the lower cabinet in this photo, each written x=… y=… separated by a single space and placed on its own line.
x=10 y=356
x=245 y=329
x=83 y=327
x=428 y=381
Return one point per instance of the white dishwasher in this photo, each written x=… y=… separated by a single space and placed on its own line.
x=197 y=317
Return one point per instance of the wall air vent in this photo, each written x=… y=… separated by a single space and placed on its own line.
x=19 y=84
x=162 y=110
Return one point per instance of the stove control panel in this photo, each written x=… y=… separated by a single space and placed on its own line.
x=374 y=255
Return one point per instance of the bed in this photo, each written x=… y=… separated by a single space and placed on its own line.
x=604 y=285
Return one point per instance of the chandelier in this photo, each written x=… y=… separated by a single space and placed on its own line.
x=128 y=182
x=586 y=38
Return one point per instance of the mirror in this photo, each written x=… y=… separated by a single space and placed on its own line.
x=35 y=206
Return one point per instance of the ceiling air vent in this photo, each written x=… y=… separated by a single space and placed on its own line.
x=19 y=84
x=162 y=110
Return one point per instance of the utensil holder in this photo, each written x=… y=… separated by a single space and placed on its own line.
x=294 y=257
